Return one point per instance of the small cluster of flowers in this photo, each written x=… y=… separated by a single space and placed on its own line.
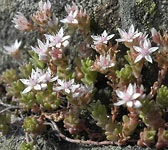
x=38 y=80
x=130 y=96
x=105 y=61
x=73 y=89
x=43 y=15
x=131 y=38
x=53 y=46
x=77 y=17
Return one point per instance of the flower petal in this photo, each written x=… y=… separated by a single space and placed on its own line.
x=148 y=58
x=26 y=90
x=153 y=49
x=138 y=58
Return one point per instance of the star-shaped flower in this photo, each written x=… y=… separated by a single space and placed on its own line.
x=33 y=81
x=71 y=18
x=128 y=36
x=13 y=49
x=58 y=40
x=66 y=86
x=21 y=22
x=42 y=49
x=129 y=97
x=103 y=39
x=145 y=50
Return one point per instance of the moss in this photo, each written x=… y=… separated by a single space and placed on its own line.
x=144 y=13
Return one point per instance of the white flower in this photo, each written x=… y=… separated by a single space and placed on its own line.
x=47 y=77
x=71 y=18
x=56 y=53
x=58 y=40
x=21 y=22
x=145 y=50
x=66 y=86
x=81 y=90
x=45 y=6
x=72 y=8
x=130 y=36
x=103 y=63
x=33 y=81
x=13 y=49
x=129 y=97
x=103 y=39
x=42 y=50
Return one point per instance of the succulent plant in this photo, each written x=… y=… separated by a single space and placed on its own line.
x=28 y=146
x=9 y=76
x=33 y=126
x=162 y=97
x=89 y=75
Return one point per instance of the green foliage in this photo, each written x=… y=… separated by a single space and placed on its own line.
x=162 y=97
x=113 y=131
x=25 y=70
x=147 y=137
x=28 y=100
x=9 y=76
x=33 y=126
x=125 y=75
x=35 y=60
x=99 y=114
x=162 y=139
x=4 y=120
x=150 y=114
x=15 y=89
x=28 y=146
x=89 y=76
x=129 y=125
x=48 y=100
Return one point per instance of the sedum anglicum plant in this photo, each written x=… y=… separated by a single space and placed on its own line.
x=49 y=89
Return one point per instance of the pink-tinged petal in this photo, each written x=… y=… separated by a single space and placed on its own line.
x=146 y=44
x=75 y=21
x=137 y=35
x=65 y=44
x=154 y=32
x=26 y=90
x=25 y=81
x=137 y=104
x=120 y=94
x=60 y=82
x=110 y=37
x=130 y=104
x=66 y=37
x=44 y=86
x=104 y=33
x=61 y=32
x=37 y=87
x=148 y=58
x=58 y=88
x=138 y=58
x=58 y=45
x=138 y=49
x=121 y=32
x=54 y=79
x=153 y=49
x=120 y=40
x=67 y=91
x=130 y=89
x=131 y=29
x=136 y=95
x=119 y=103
